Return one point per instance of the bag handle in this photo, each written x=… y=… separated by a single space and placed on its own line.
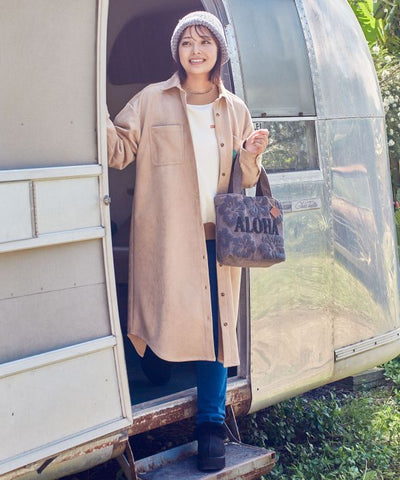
x=235 y=183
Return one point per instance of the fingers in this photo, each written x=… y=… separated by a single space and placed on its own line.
x=259 y=139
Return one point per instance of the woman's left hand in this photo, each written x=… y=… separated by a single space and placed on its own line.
x=257 y=142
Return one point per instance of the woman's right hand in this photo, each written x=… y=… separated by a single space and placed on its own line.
x=257 y=142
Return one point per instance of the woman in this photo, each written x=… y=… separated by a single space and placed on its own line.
x=183 y=134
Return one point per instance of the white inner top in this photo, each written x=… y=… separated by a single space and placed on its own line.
x=201 y=121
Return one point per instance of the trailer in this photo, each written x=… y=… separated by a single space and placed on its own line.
x=72 y=390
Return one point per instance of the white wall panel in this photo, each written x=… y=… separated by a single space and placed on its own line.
x=23 y=273
x=44 y=411
x=48 y=71
x=15 y=211
x=43 y=322
x=67 y=204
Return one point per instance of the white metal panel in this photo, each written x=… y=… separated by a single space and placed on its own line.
x=91 y=399
x=67 y=204
x=63 y=269
x=39 y=323
x=48 y=70
x=15 y=203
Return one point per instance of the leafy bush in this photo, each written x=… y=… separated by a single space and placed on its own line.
x=392 y=371
x=331 y=436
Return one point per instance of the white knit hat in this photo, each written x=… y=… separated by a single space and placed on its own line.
x=205 y=19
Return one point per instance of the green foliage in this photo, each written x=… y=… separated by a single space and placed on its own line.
x=380 y=21
x=392 y=369
x=330 y=436
x=373 y=27
x=389 y=12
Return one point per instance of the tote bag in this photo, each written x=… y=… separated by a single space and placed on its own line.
x=249 y=230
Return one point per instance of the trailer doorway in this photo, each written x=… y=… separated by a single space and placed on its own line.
x=138 y=53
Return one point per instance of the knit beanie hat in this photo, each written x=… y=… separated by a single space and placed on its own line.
x=205 y=19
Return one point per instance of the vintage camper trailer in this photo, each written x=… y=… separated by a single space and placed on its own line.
x=71 y=394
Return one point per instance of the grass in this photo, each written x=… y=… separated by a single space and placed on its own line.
x=330 y=434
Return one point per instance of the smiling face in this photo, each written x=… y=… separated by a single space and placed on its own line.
x=198 y=51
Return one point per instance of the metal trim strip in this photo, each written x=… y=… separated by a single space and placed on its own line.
x=312 y=118
x=234 y=55
x=50 y=173
x=56 y=356
x=58 y=238
x=302 y=176
x=365 y=345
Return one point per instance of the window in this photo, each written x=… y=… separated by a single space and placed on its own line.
x=273 y=57
x=292 y=145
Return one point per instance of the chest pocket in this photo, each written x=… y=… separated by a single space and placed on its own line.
x=166 y=144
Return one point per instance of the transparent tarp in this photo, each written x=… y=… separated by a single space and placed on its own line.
x=273 y=55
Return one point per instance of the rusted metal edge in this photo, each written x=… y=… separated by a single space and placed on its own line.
x=258 y=472
x=154 y=415
x=116 y=441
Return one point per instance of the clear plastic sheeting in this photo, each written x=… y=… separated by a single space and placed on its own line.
x=273 y=56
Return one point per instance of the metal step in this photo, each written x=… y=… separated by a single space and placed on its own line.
x=242 y=462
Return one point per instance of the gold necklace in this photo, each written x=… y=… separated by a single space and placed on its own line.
x=200 y=93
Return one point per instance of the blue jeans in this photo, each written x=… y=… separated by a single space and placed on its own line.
x=211 y=376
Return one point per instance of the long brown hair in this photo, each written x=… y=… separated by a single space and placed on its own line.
x=215 y=73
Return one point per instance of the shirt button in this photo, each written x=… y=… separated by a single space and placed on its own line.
x=217 y=114
x=223 y=174
x=222 y=144
x=204 y=257
x=205 y=287
x=220 y=264
x=225 y=324
x=222 y=294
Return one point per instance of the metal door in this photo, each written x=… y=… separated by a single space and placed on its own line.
x=62 y=370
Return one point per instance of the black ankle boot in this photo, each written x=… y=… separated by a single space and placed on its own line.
x=157 y=370
x=211 y=447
